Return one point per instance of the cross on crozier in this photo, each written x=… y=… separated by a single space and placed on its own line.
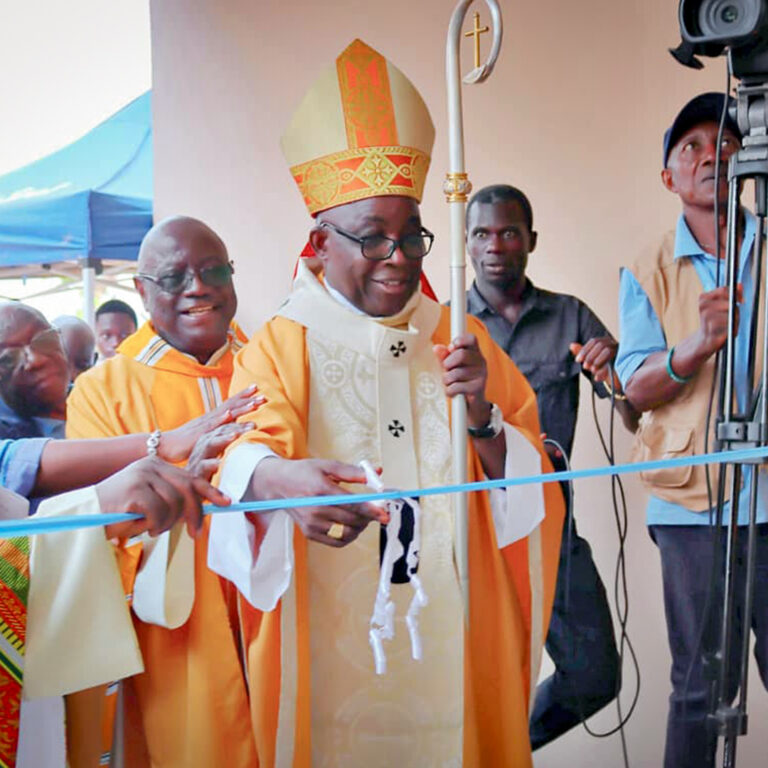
x=476 y=32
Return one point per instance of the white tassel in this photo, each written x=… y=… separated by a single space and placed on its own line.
x=382 y=625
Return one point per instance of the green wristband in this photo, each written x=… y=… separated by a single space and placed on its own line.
x=672 y=374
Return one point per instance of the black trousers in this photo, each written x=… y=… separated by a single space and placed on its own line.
x=687 y=564
x=580 y=642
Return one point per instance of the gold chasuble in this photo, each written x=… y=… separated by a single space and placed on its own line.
x=189 y=708
x=341 y=385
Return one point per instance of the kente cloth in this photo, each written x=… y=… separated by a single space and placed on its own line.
x=347 y=387
x=52 y=587
x=14 y=587
x=189 y=708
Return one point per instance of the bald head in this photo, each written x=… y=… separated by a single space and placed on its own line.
x=79 y=343
x=14 y=315
x=162 y=241
x=34 y=373
x=185 y=282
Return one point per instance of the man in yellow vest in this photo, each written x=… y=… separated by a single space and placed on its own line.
x=673 y=315
x=359 y=365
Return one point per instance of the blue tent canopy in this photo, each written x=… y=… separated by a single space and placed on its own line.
x=88 y=202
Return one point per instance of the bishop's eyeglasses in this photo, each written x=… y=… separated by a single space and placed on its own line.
x=381 y=248
x=175 y=283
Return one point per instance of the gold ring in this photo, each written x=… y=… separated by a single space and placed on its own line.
x=336 y=531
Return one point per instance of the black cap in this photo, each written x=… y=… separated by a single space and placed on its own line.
x=704 y=108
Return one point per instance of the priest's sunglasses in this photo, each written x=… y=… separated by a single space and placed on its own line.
x=178 y=282
x=381 y=248
x=46 y=343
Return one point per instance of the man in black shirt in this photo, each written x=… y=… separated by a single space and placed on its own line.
x=552 y=338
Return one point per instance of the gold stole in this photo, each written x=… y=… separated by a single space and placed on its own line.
x=376 y=393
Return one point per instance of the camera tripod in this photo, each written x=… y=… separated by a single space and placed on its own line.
x=740 y=427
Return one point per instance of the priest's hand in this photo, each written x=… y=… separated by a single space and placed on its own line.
x=176 y=445
x=206 y=455
x=164 y=494
x=278 y=478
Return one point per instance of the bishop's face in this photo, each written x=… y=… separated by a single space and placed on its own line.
x=378 y=288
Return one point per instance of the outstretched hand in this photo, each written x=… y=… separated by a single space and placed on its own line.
x=276 y=478
x=206 y=455
x=163 y=493
x=176 y=445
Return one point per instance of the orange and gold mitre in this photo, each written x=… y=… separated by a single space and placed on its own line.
x=362 y=130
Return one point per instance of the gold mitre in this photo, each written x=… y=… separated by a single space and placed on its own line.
x=362 y=130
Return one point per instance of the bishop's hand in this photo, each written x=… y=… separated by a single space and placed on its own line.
x=465 y=372
x=336 y=526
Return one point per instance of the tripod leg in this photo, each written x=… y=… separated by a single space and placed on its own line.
x=725 y=715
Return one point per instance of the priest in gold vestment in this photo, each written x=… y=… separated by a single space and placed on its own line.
x=359 y=365
x=190 y=707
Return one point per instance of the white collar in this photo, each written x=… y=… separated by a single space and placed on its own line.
x=343 y=300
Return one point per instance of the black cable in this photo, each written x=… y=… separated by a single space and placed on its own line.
x=621 y=594
x=714 y=524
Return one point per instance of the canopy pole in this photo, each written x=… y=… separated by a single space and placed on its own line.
x=456 y=188
x=89 y=294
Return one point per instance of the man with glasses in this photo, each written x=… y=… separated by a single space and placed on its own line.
x=34 y=374
x=190 y=706
x=359 y=365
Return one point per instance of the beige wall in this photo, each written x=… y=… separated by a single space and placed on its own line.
x=573 y=114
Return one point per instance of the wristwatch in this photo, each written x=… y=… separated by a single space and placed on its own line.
x=492 y=428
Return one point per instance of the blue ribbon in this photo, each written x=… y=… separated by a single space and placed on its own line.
x=33 y=525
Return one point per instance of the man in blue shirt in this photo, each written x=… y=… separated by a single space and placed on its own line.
x=673 y=312
x=34 y=374
x=19 y=464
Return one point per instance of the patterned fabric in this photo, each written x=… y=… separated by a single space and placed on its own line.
x=14 y=589
x=19 y=462
x=413 y=714
x=362 y=130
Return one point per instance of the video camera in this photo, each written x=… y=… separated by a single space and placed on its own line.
x=708 y=27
